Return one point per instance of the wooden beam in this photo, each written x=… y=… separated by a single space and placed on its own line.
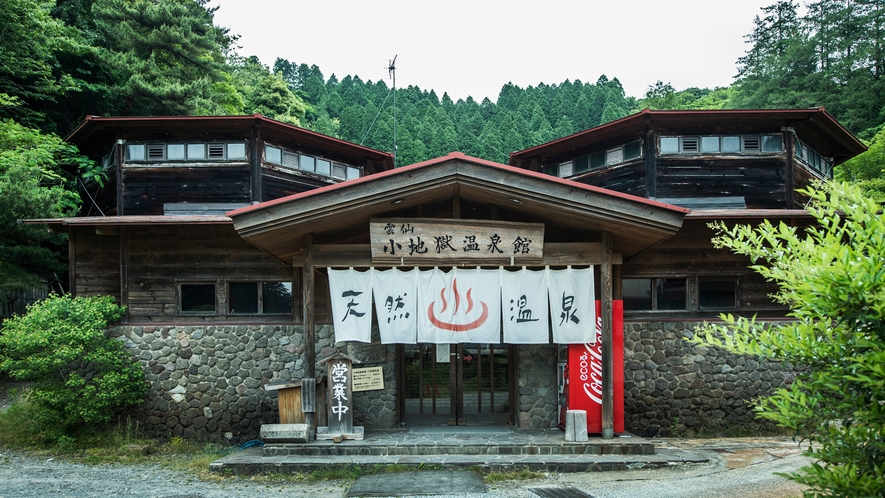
x=608 y=390
x=255 y=161
x=118 y=165
x=124 y=271
x=72 y=261
x=360 y=255
x=307 y=286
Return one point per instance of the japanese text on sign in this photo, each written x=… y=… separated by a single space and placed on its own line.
x=448 y=240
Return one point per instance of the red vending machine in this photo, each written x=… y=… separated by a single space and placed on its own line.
x=582 y=377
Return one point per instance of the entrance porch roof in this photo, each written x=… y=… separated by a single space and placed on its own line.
x=278 y=226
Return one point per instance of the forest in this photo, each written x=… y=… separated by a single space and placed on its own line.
x=63 y=60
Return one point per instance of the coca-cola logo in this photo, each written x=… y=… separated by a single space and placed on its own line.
x=591 y=366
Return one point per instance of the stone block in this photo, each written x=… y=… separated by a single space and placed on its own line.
x=285 y=433
x=576 y=426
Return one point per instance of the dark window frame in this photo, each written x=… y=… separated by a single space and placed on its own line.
x=653 y=286
x=196 y=283
x=260 y=291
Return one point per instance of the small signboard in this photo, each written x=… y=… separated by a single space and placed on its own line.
x=454 y=240
x=340 y=399
x=368 y=379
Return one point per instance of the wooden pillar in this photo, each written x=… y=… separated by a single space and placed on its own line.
x=119 y=157
x=72 y=261
x=307 y=285
x=608 y=390
x=124 y=271
x=255 y=150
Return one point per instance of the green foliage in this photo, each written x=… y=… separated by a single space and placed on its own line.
x=166 y=56
x=833 y=279
x=80 y=375
x=33 y=43
x=35 y=183
x=867 y=170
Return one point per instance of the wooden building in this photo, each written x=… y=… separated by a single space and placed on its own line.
x=216 y=233
x=735 y=166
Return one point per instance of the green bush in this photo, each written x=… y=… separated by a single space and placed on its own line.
x=833 y=279
x=80 y=375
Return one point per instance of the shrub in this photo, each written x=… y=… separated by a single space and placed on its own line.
x=833 y=279
x=79 y=374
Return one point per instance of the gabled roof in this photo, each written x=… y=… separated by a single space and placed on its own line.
x=815 y=126
x=278 y=226
x=95 y=133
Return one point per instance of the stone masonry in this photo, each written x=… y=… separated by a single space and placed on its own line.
x=206 y=381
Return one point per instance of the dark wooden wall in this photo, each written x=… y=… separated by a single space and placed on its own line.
x=628 y=178
x=97 y=260
x=145 y=190
x=160 y=257
x=690 y=254
x=761 y=181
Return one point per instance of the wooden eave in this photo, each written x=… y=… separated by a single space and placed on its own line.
x=131 y=220
x=750 y=214
x=814 y=125
x=95 y=133
x=278 y=226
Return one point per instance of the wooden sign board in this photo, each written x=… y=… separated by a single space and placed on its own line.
x=453 y=241
x=340 y=397
x=368 y=379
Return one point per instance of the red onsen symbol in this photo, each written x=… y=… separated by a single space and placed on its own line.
x=457 y=327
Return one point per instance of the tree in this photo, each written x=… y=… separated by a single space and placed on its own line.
x=79 y=374
x=30 y=72
x=833 y=279
x=867 y=171
x=166 y=55
x=35 y=183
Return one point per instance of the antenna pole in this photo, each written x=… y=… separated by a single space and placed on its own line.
x=392 y=71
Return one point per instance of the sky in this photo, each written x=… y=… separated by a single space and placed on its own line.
x=474 y=47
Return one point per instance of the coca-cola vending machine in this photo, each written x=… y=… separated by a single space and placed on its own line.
x=582 y=375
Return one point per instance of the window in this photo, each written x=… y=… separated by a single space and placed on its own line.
x=236 y=151
x=598 y=159
x=772 y=143
x=721 y=144
x=175 y=152
x=709 y=145
x=297 y=161
x=135 y=152
x=161 y=152
x=654 y=294
x=731 y=144
x=290 y=160
x=307 y=163
x=273 y=155
x=324 y=167
x=197 y=298
x=717 y=294
x=259 y=297
x=809 y=156
x=196 y=152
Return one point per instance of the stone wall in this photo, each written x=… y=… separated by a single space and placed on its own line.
x=206 y=381
x=674 y=387
x=537 y=386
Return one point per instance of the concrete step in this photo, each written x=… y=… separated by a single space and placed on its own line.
x=464 y=447
x=253 y=461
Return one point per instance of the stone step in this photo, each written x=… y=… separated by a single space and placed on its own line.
x=253 y=461
x=445 y=447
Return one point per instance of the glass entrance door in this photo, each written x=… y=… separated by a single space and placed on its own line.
x=456 y=384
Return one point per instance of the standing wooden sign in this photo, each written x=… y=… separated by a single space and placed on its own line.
x=453 y=240
x=340 y=396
